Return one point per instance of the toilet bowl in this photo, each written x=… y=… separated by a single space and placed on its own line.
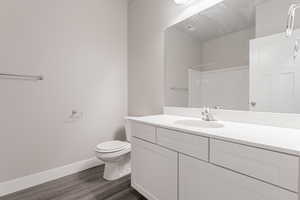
x=116 y=157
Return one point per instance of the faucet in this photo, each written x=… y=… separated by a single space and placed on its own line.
x=207 y=115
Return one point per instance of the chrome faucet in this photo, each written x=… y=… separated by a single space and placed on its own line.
x=207 y=115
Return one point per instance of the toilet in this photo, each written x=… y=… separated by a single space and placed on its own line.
x=116 y=157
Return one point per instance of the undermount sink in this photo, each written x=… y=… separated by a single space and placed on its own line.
x=199 y=123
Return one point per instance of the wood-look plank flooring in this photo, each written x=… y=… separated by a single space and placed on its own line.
x=86 y=185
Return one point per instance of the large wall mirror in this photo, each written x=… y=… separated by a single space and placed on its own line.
x=216 y=59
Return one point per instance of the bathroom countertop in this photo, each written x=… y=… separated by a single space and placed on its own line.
x=283 y=140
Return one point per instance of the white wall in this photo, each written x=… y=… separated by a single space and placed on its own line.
x=231 y=50
x=228 y=88
x=271 y=17
x=147 y=21
x=181 y=52
x=80 y=48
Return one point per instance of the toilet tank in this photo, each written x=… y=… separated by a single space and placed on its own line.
x=128 y=130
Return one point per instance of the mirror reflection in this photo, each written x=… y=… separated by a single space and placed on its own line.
x=217 y=59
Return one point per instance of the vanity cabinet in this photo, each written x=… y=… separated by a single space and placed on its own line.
x=154 y=170
x=173 y=165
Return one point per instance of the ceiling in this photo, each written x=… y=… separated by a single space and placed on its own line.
x=227 y=17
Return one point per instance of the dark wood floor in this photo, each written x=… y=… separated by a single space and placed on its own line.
x=86 y=185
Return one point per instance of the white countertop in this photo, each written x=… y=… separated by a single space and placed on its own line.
x=283 y=140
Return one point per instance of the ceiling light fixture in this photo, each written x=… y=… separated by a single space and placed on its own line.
x=182 y=2
x=196 y=7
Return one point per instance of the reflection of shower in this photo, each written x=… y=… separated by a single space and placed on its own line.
x=291 y=19
x=291 y=27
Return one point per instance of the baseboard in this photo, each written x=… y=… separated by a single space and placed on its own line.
x=25 y=182
x=142 y=191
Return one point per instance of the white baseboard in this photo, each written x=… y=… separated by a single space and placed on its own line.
x=25 y=182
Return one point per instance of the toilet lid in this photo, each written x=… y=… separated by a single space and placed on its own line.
x=112 y=146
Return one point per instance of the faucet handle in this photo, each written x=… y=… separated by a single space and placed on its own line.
x=206 y=110
x=218 y=107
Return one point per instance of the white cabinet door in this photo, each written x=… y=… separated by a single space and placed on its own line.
x=201 y=180
x=154 y=170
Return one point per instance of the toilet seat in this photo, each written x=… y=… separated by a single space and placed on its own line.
x=114 y=155
x=112 y=146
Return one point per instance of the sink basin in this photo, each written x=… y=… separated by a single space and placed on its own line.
x=199 y=123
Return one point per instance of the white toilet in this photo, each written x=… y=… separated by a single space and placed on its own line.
x=116 y=157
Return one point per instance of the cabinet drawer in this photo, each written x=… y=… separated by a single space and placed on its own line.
x=272 y=167
x=202 y=180
x=192 y=145
x=143 y=131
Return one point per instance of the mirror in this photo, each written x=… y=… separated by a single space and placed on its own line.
x=217 y=58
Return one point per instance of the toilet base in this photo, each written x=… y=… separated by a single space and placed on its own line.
x=118 y=168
